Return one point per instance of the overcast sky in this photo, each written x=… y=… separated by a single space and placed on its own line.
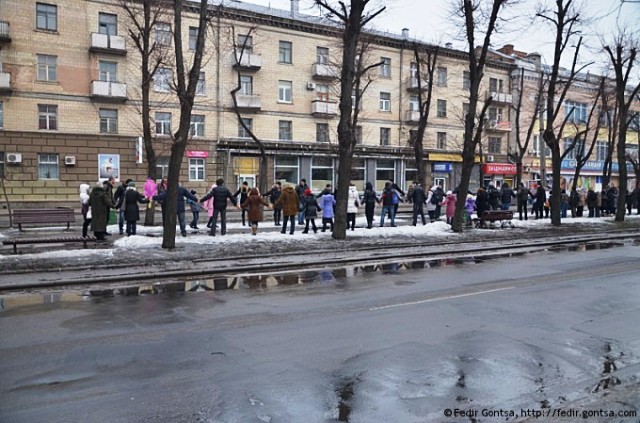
x=431 y=21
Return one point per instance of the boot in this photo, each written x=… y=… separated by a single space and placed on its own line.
x=254 y=230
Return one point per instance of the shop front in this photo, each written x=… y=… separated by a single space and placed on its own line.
x=498 y=173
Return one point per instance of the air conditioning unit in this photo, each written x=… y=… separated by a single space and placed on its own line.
x=14 y=157
x=490 y=159
x=311 y=86
x=70 y=160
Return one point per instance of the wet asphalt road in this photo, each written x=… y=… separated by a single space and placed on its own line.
x=550 y=331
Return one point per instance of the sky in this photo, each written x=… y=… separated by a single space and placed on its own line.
x=431 y=21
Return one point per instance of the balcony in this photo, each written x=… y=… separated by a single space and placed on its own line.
x=499 y=126
x=5 y=34
x=108 y=44
x=5 y=82
x=322 y=108
x=412 y=116
x=249 y=103
x=324 y=71
x=109 y=91
x=412 y=84
x=501 y=97
x=247 y=60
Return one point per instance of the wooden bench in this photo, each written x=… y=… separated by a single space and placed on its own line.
x=44 y=216
x=492 y=216
x=62 y=239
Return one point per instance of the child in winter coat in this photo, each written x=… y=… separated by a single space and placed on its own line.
x=310 y=207
x=352 y=206
x=195 y=210
x=327 y=203
x=254 y=205
x=209 y=206
x=450 y=206
x=469 y=206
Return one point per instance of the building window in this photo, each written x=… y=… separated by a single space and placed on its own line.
x=246 y=42
x=442 y=76
x=108 y=121
x=496 y=85
x=46 y=17
x=284 y=91
x=466 y=80
x=1 y=114
x=286 y=170
x=577 y=150
x=322 y=55
x=163 y=123
x=385 y=67
x=196 y=169
x=465 y=111
x=385 y=136
x=162 y=80
x=385 y=102
x=107 y=24
x=441 y=140
x=414 y=103
x=321 y=173
x=196 y=128
x=246 y=85
x=162 y=166
x=285 y=52
x=47 y=67
x=284 y=130
x=602 y=150
x=322 y=132
x=357 y=133
x=322 y=92
x=193 y=37
x=495 y=114
x=494 y=145
x=413 y=71
x=48 y=166
x=385 y=171
x=577 y=112
x=2 y=175
x=243 y=133
x=358 y=174
x=442 y=108
x=48 y=117
x=201 y=88
x=163 y=33
x=108 y=71
x=536 y=147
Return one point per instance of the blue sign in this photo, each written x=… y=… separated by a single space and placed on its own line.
x=442 y=167
x=591 y=165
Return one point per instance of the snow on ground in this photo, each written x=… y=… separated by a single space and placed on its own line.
x=438 y=229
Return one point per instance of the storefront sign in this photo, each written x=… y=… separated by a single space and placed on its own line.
x=442 y=167
x=194 y=154
x=592 y=165
x=449 y=157
x=499 y=169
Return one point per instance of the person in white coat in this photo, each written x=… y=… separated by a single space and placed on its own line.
x=431 y=208
x=352 y=206
x=86 y=210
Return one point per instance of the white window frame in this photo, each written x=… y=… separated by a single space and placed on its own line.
x=196 y=169
x=47 y=68
x=441 y=108
x=162 y=80
x=105 y=26
x=107 y=71
x=246 y=84
x=163 y=126
x=385 y=67
x=48 y=163
x=196 y=127
x=285 y=91
x=414 y=103
x=385 y=102
x=108 y=121
x=49 y=13
x=163 y=34
x=201 y=85
x=322 y=55
x=48 y=112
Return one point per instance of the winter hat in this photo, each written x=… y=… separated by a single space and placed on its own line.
x=449 y=192
x=131 y=184
x=307 y=191
x=193 y=192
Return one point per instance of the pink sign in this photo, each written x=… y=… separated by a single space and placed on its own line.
x=194 y=154
x=499 y=169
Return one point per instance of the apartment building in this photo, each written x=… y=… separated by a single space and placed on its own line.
x=70 y=102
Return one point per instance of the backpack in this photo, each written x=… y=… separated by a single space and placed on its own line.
x=396 y=198
x=437 y=197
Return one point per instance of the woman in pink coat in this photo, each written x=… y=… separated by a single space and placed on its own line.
x=450 y=204
x=209 y=206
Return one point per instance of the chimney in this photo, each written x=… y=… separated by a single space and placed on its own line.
x=405 y=33
x=295 y=8
x=506 y=49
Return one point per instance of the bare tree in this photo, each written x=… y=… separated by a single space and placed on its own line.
x=474 y=14
x=185 y=91
x=623 y=55
x=522 y=145
x=610 y=114
x=239 y=53
x=354 y=18
x=564 y=20
x=428 y=57
x=634 y=157
x=140 y=29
